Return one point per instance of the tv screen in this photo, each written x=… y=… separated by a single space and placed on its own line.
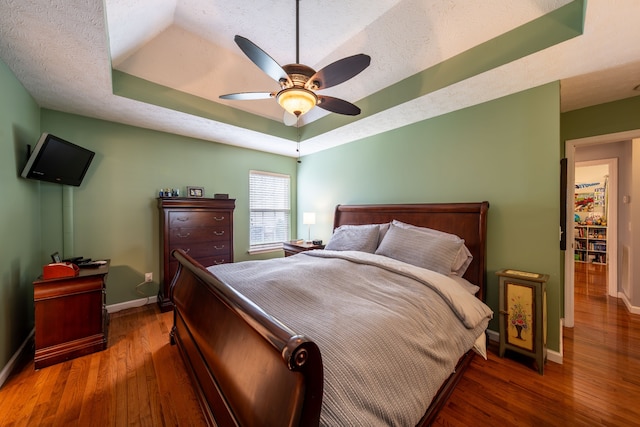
x=56 y=160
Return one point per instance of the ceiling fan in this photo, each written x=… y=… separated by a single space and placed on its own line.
x=299 y=82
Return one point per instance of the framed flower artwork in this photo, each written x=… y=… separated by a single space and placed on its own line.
x=521 y=315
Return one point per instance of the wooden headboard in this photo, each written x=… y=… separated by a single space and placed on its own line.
x=466 y=220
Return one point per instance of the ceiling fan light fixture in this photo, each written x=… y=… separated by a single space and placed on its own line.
x=296 y=100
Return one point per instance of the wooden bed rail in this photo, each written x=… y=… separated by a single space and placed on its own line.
x=228 y=342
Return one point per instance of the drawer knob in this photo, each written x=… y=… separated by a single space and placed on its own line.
x=219 y=247
x=218 y=218
x=219 y=262
x=182 y=218
x=183 y=235
x=218 y=233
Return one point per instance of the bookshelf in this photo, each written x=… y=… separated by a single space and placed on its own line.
x=591 y=243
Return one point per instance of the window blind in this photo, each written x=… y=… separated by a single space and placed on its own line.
x=269 y=210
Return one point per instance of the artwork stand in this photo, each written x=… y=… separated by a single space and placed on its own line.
x=523 y=314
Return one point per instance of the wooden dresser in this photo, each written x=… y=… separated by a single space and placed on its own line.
x=203 y=228
x=71 y=316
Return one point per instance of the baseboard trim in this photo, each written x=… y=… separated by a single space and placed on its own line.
x=552 y=355
x=632 y=308
x=6 y=371
x=114 y=308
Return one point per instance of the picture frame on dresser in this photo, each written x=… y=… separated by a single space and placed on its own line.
x=195 y=192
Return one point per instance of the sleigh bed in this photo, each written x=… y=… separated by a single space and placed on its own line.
x=267 y=364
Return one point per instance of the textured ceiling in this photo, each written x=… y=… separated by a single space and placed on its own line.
x=64 y=51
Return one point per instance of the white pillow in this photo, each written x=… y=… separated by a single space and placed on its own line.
x=463 y=258
x=467 y=285
x=363 y=238
x=420 y=249
x=480 y=346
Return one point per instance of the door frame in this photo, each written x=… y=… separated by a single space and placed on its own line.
x=569 y=276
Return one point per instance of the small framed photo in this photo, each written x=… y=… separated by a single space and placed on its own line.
x=195 y=191
x=55 y=257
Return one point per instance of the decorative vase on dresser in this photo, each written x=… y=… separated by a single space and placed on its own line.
x=202 y=227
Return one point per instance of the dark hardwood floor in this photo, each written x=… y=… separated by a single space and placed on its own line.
x=140 y=378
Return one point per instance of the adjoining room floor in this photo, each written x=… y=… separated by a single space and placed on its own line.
x=590 y=279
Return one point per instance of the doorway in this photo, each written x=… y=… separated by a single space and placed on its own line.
x=599 y=144
x=595 y=188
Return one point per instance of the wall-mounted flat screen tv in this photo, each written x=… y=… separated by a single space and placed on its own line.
x=55 y=160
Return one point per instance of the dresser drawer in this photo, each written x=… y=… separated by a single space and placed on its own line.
x=179 y=236
x=206 y=262
x=190 y=219
x=203 y=249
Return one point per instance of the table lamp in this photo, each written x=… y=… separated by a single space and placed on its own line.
x=309 y=218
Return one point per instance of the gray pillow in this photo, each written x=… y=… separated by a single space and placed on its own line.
x=363 y=238
x=463 y=258
x=436 y=253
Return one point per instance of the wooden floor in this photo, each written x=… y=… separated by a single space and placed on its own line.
x=597 y=385
x=140 y=378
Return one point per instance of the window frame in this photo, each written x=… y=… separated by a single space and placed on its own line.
x=276 y=244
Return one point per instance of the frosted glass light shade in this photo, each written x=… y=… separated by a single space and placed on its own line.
x=297 y=101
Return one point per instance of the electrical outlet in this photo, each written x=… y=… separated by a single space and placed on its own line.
x=148 y=277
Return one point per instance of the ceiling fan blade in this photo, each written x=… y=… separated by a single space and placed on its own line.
x=336 y=105
x=289 y=119
x=244 y=96
x=262 y=59
x=339 y=71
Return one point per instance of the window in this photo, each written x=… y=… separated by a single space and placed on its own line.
x=269 y=210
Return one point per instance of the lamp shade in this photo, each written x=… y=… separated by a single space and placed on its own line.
x=297 y=101
x=309 y=218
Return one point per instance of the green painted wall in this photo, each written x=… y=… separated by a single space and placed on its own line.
x=20 y=260
x=603 y=119
x=504 y=151
x=114 y=210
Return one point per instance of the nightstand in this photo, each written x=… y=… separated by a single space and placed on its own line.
x=71 y=318
x=295 y=247
x=523 y=314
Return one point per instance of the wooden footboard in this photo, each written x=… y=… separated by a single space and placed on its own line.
x=246 y=367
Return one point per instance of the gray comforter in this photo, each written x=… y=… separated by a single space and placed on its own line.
x=389 y=333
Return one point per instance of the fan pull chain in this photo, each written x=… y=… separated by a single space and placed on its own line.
x=298 y=139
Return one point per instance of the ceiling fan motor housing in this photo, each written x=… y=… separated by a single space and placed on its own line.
x=299 y=74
